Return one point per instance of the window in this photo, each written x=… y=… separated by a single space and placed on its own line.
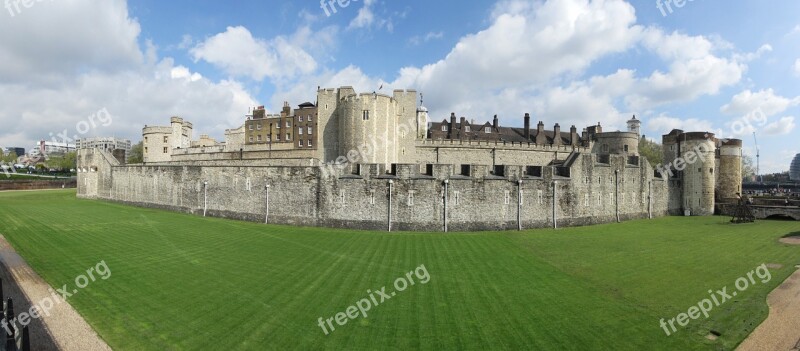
x=586 y=199
x=487 y=130
x=444 y=128
x=277 y=137
x=145 y=150
x=365 y=115
x=288 y=124
x=372 y=197
x=458 y=197
x=410 y=198
x=539 y=197
x=165 y=149
x=309 y=143
x=288 y=137
x=258 y=126
x=250 y=127
x=626 y=148
x=277 y=126
x=259 y=137
x=145 y=139
x=508 y=197
x=299 y=143
x=166 y=139
x=309 y=118
x=467 y=129
x=269 y=137
x=341 y=195
x=310 y=130
x=300 y=131
x=599 y=200
x=300 y=119
x=251 y=139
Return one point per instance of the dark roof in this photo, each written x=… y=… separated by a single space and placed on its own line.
x=509 y=134
x=307 y=105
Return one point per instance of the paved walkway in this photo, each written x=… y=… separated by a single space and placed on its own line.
x=64 y=329
x=781 y=330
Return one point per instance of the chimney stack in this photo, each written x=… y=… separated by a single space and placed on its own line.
x=452 y=123
x=573 y=136
x=541 y=139
x=527 y=126
x=495 y=123
x=557 y=134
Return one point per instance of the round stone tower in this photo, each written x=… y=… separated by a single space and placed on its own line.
x=618 y=143
x=697 y=165
x=729 y=172
x=366 y=126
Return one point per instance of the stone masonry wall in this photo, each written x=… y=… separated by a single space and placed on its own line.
x=593 y=193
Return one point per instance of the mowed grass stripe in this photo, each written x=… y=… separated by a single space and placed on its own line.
x=191 y=283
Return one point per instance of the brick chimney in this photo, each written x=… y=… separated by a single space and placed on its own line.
x=462 y=129
x=573 y=136
x=495 y=123
x=585 y=136
x=541 y=139
x=557 y=134
x=452 y=123
x=528 y=127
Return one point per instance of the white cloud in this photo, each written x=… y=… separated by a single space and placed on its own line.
x=747 y=102
x=238 y=53
x=783 y=126
x=49 y=41
x=420 y=39
x=54 y=79
x=366 y=18
x=797 y=67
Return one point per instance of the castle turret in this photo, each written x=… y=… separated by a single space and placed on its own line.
x=696 y=164
x=729 y=172
x=422 y=120
x=634 y=125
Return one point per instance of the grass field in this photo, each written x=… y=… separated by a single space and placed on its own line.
x=181 y=282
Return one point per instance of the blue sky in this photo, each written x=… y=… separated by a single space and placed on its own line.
x=727 y=67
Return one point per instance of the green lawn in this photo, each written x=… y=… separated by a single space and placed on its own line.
x=181 y=282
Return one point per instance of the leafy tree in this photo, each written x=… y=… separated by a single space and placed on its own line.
x=652 y=151
x=136 y=155
x=10 y=157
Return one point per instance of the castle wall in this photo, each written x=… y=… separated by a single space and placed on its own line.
x=593 y=193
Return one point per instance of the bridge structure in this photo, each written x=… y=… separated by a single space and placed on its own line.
x=764 y=211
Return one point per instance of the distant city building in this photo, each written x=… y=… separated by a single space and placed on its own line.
x=52 y=147
x=104 y=143
x=17 y=150
x=794 y=171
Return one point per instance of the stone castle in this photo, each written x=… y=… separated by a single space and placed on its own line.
x=373 y=161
